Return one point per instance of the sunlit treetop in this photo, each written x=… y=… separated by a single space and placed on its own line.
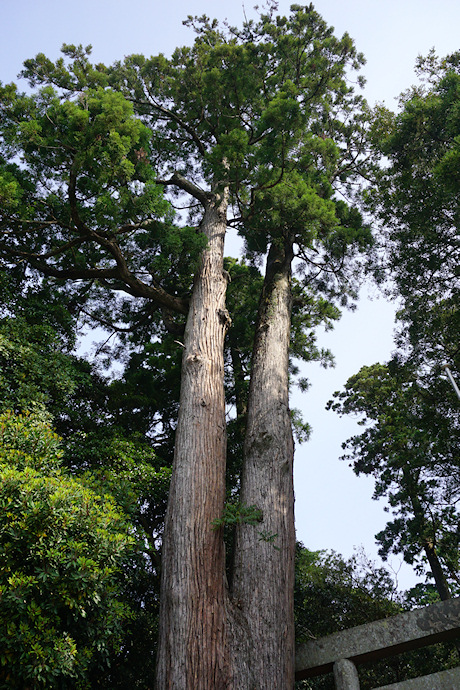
x=267 y=111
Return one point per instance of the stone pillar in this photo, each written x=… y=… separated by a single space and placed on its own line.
x=345 y=675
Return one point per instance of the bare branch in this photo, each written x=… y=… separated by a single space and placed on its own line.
x=186 y=185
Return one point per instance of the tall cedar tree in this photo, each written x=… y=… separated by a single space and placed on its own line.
x=258 y=127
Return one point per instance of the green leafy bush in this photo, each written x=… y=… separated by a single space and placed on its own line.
x=61 y=550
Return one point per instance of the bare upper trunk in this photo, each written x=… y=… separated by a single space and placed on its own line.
x=207 y=641
x=193 y=647
x=263 y=580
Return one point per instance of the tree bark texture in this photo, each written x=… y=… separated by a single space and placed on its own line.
x=263 y=579
x=193 y=644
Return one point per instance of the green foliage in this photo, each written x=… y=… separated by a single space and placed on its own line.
x=95 y=139
x=26 y=440
x=332 y=593
x=266 y=111
x=84 y=203
x=410 y=446
x=130 y=472
x=237 y=514
x=301 y=429
x=104 y=450
x=37 y=368
x=416 y=198
x=145 y=398
x=352 y=591
x=62 y=550
x=269 y=538
x=33 y=369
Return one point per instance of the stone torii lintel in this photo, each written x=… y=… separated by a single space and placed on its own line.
x=372 y=641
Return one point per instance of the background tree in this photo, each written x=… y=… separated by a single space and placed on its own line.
x=355 y=591
x=410 y=446
x=98 y=451
x=416 y=200
x=63 y=548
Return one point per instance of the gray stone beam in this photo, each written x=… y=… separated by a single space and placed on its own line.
x=372 y=641
x=445 y=680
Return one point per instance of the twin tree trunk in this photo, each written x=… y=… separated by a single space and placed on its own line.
x=210 y=638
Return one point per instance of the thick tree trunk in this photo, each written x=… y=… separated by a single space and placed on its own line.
x=193 y=645
x=206 y=642
x=263 y=579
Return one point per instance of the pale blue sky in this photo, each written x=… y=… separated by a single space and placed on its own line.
x=334 y=508
x=390 y=33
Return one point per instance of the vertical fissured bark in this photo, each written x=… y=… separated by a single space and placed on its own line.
x=193 y=646
x=206 y=640
x=263 y=580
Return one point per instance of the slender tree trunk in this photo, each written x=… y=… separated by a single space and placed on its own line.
x=263 y=580
x=437 y=571
x=428 y=544
x=193 y=644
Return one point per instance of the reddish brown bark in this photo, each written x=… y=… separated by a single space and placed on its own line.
x=207 y=640
x=193 y=645
x=263 y=580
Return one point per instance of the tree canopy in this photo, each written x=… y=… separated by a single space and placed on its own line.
x=411 y=414
x=410 y=446
x=416 y=199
